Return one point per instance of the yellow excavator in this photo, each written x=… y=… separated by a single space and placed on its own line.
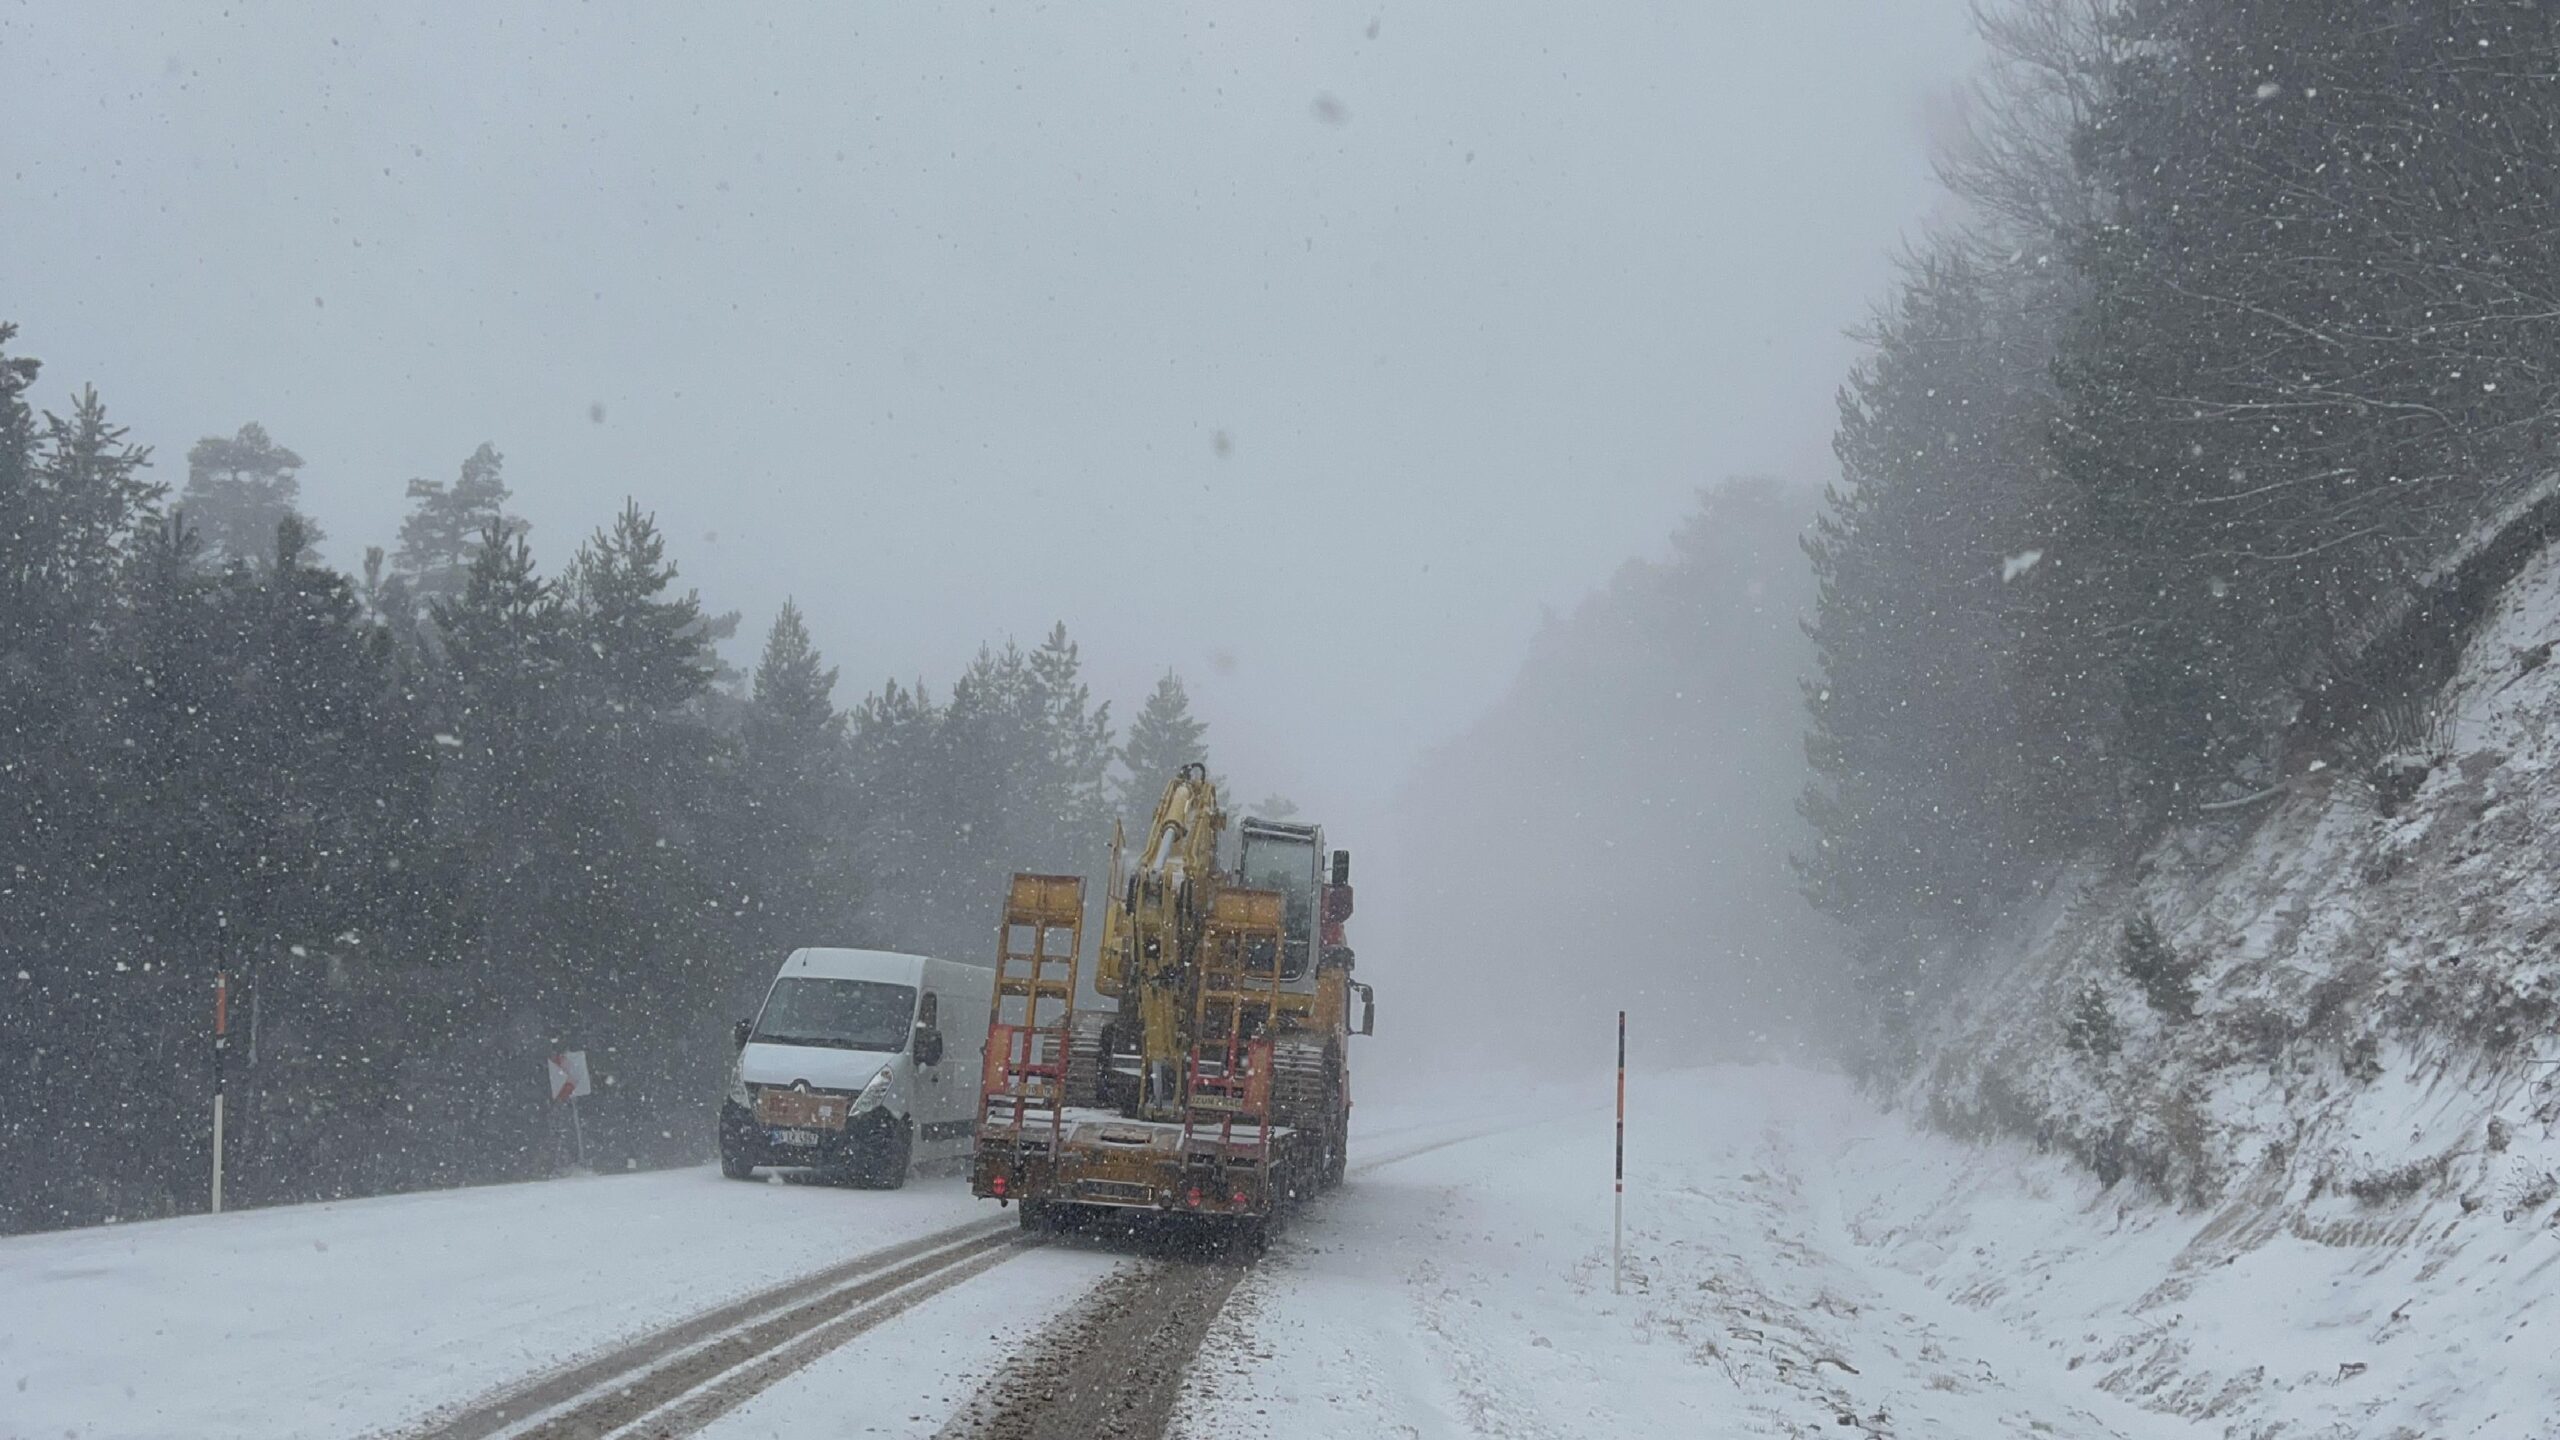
x=1220 y=1086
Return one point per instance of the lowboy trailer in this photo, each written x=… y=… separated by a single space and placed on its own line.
x=1219 y=1088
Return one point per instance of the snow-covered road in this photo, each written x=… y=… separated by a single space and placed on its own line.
x=1467 y=1293
x=1459 y=1286
x=363 y=1316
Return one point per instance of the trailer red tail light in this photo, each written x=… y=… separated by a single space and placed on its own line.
x=1194 y=1197
x=997 y=1185
x=1240 y=1199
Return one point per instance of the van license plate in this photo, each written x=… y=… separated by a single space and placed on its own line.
x=795 y=1137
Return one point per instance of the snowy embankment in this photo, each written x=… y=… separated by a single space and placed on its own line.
x=1802 y=1263
x=2343 y=1166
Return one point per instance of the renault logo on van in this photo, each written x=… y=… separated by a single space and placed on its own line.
x=799 y=1087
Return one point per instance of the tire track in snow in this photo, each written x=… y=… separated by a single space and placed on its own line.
x=811 y=1299
x=1111 y=1365
x=1114 y=1364
x=775 y=1358
x=677 y=1379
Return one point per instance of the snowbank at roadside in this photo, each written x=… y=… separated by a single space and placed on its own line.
x=1801 y=1262
x=2346 y=1159
x=1466 y=1292
x=336 y=1319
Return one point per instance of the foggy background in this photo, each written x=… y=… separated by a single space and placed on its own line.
x=1335 y=356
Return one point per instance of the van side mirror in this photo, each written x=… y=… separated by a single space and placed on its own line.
x=1368 y=1010
x=1341 y=867
x=928 y=1045
x=740 y=1033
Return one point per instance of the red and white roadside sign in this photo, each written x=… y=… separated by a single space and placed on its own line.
x=567 y=1072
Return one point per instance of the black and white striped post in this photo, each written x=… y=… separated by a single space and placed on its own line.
x=1618 y=1206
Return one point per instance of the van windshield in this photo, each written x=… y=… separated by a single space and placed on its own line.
x=842 y=1014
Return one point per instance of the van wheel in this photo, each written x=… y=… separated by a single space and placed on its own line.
x=734 y=1167
x=892 y=1174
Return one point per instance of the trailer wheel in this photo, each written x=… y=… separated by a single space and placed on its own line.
x=1035 y=1217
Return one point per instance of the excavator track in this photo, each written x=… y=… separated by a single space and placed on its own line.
x=1306 y=1091
x=1085 y=1058
x=1303 y=1084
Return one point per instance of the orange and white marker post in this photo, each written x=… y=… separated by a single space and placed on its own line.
x=221 y=1043
x=1618 y=1211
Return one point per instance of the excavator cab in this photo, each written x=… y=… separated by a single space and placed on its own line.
x=1287 y=858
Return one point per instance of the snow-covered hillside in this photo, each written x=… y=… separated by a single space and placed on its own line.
x=2338 y=1166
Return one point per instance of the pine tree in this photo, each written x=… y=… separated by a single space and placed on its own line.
x=1008 y=775
x=794 y=719
x=2091 y=1028
x=1960 y=701
x=447 y=521
x=898 y=787
x=1163 y=738
x=2167 y=979
x=506 y=626
x=991 y=806
x=32 y=890
x=238 y=490
x=71 y=499
x=802 y=873
x=501 y=699
x=634 y=753
x=1071 y=791
x=644 y=647
x=100 y=497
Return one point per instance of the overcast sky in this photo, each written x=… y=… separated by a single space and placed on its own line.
x=935 y=318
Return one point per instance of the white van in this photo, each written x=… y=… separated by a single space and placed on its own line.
x=847 y=1068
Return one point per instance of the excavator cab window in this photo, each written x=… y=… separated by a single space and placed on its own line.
x=1290 y=863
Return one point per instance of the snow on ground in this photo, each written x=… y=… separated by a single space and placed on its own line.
x=359 y=1316
x=1466 y=1292
x=333 y=1320
x=907 y=1377
x=1799 y=1263
x=2332 y=1320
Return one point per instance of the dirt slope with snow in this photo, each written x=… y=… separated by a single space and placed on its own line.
x=2344 y=1165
